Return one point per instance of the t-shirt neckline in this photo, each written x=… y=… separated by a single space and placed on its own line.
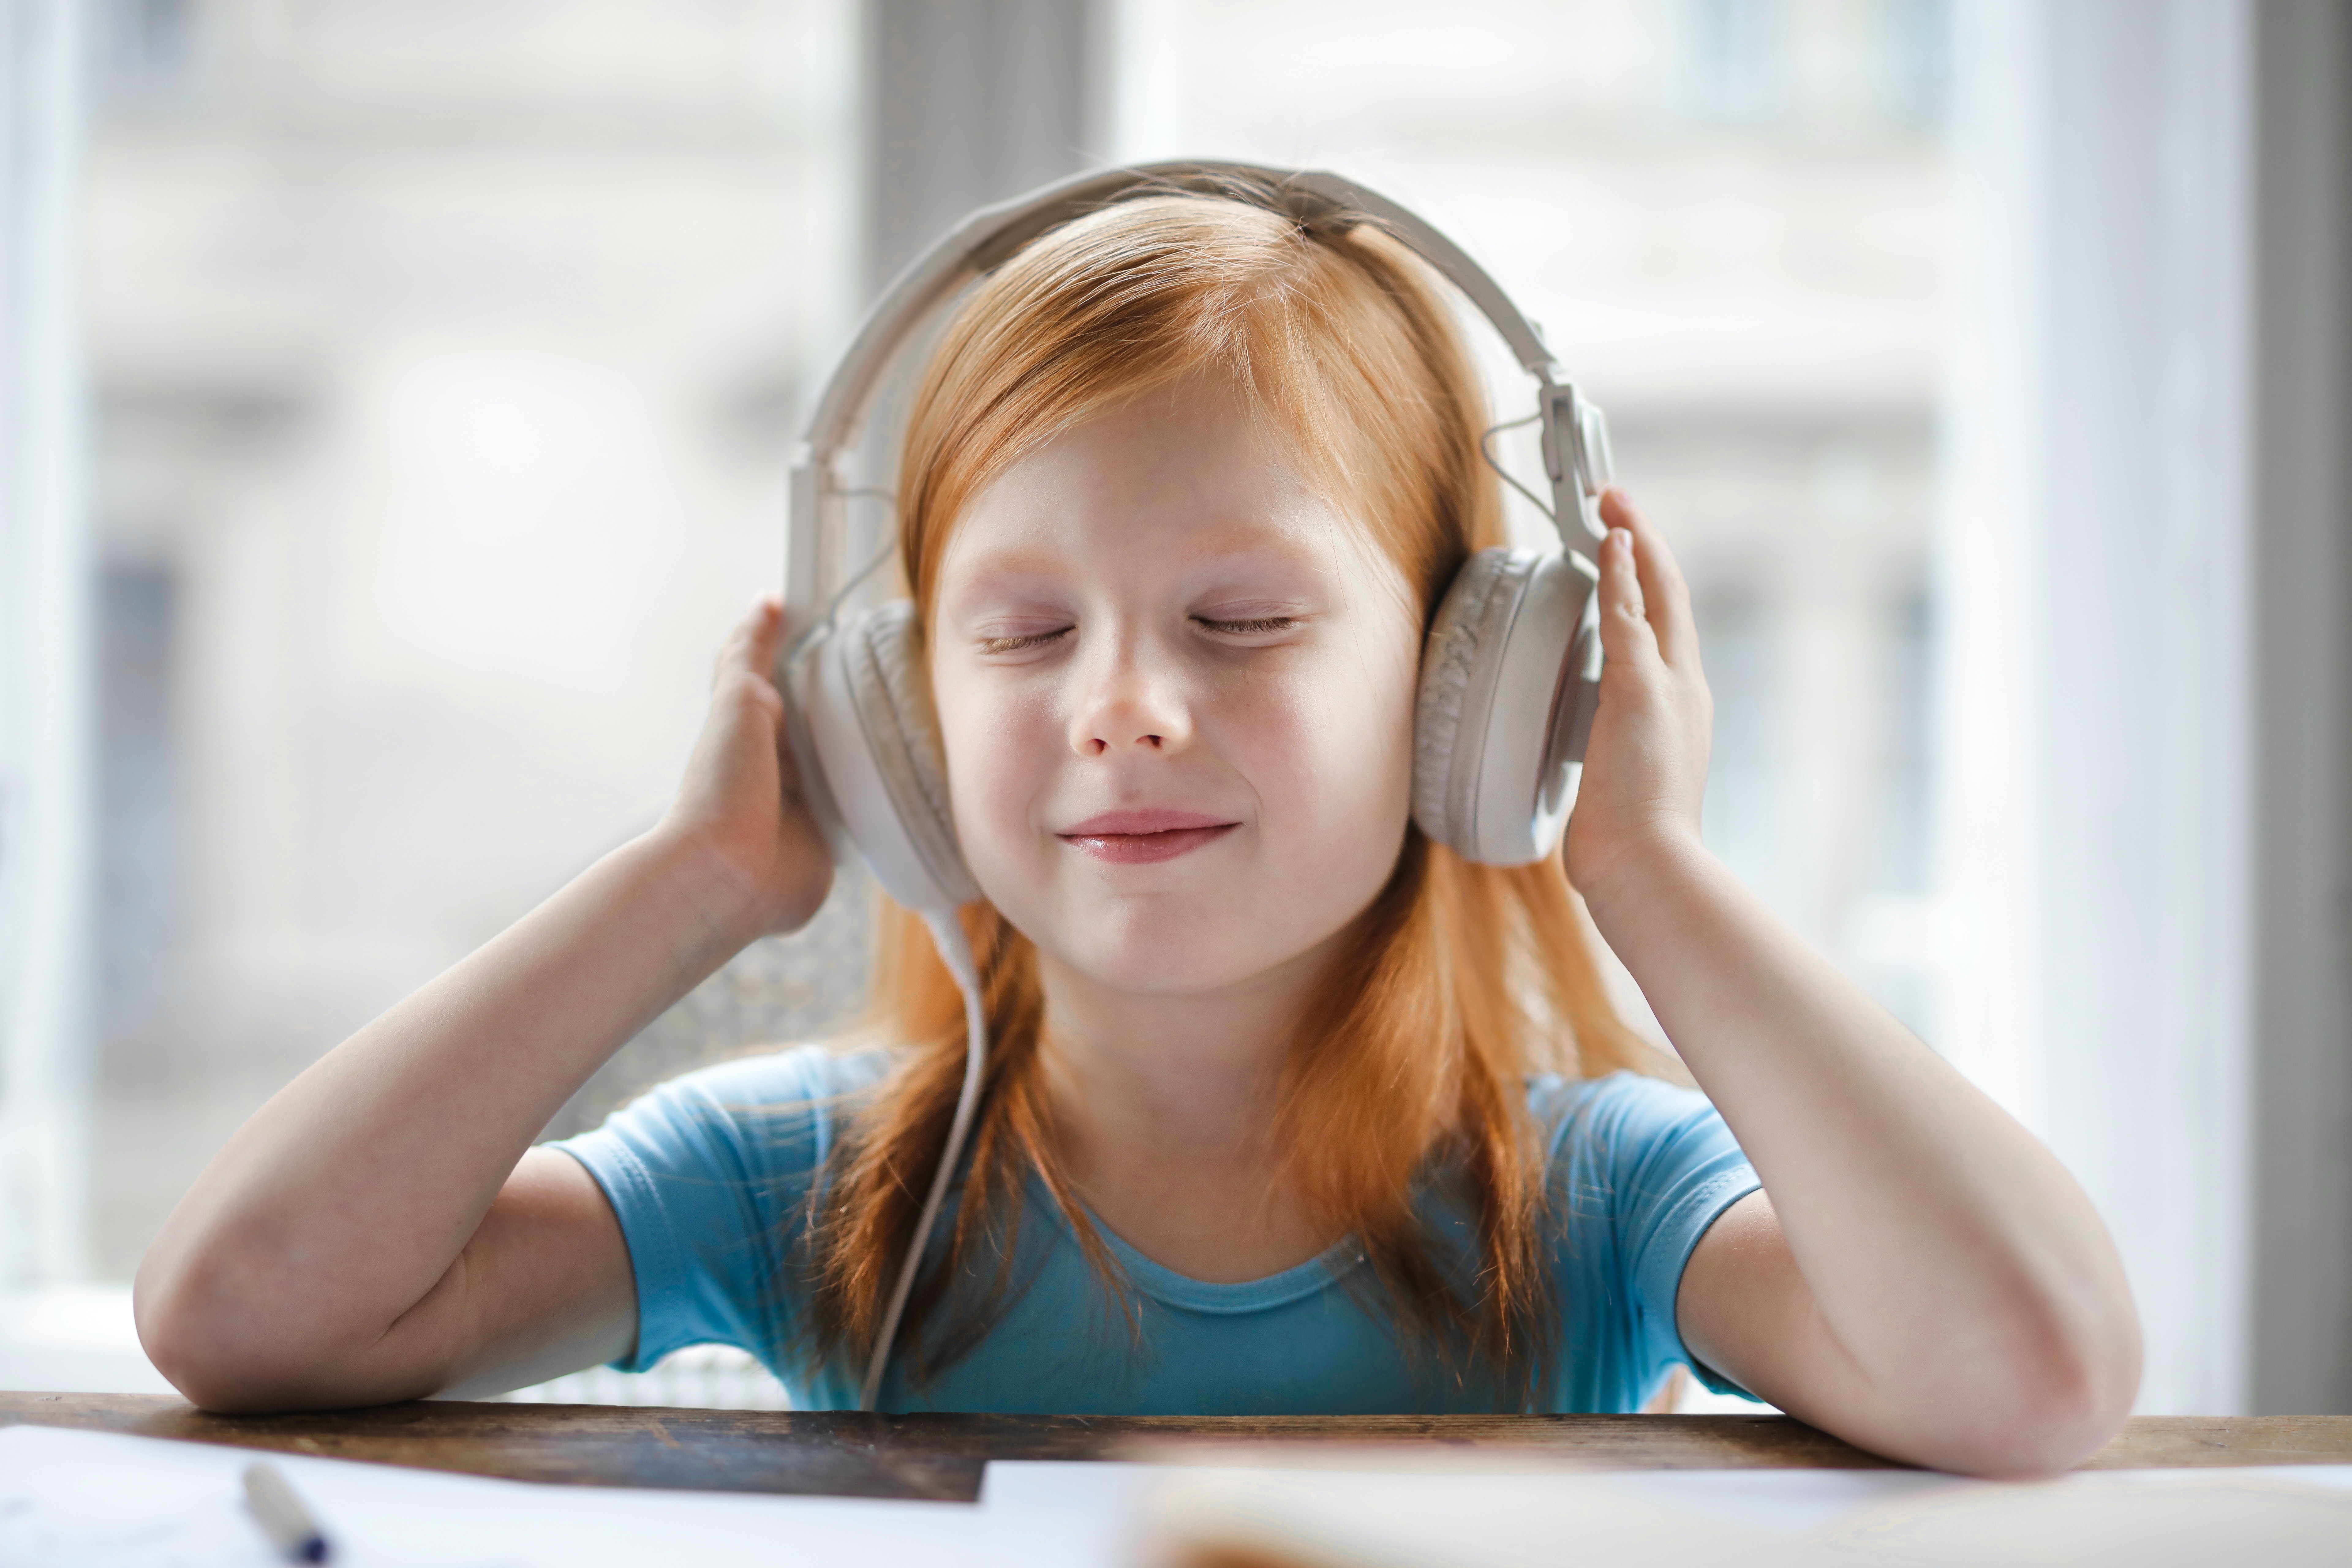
x=1164 y=1284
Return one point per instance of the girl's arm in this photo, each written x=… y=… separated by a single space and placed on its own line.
x=381 y=1229
x=1923 y=1278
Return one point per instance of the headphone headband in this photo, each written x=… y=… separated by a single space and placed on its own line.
x=1575 y=437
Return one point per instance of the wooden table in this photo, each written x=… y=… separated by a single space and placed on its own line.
x=848 y=1454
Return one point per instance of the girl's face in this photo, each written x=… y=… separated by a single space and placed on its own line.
x=1176 y=691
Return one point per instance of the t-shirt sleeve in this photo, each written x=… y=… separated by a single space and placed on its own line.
x=1657 y=1165
x=709 y=1175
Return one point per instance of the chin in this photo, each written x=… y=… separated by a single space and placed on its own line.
x=1140 y=957
x=1161 y=952
x=1144 y=972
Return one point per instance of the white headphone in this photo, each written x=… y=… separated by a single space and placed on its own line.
x=1508 y=675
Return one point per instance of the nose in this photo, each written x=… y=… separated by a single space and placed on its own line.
x=1129 y=701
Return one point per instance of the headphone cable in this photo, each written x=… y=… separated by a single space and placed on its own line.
x=955 y=951
x=1487 y=452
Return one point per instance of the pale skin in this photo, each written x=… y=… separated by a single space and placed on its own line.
x=1158 y=613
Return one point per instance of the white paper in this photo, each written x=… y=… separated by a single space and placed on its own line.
x=95 y=1499
x=100 y=1500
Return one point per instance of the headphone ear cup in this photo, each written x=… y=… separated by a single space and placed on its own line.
x=1449 y=667
x=871 y=724
x=1504 y=702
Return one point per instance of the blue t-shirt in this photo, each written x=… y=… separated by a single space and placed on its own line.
x=711 y=1175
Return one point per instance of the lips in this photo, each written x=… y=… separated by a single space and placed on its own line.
x=1139 y=838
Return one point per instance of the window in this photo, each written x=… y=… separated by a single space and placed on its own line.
x=1760 y=309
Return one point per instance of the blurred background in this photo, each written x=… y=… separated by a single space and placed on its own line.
x=396 y=401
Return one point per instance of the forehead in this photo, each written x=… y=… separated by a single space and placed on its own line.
x=1178 y=476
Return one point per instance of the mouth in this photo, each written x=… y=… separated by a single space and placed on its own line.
x=1141 y=837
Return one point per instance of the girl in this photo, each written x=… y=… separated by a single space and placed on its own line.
x=1287 y=1109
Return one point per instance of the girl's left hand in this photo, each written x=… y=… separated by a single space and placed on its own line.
x=1645 y=764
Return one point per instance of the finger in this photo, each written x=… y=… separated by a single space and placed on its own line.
x=766 y=625
x=1664 y=592
x=750 y=647
x=1626 y=637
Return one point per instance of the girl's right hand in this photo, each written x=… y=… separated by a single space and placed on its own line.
x=739 y=808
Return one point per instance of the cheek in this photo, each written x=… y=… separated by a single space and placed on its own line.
x=1331 y=751
x=1000 y=744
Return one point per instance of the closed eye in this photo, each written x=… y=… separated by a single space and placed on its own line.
x=1022 y=643
x=1265 y=625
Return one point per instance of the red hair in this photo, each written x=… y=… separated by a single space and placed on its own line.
x=1456 y=982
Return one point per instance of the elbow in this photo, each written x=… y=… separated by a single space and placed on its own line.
x=189 y=1336
x=2070 y=1415
x=2047 y=1401
x=240 y=1336
x=215 y=1344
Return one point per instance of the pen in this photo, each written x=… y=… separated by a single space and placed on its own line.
x=279 y=1512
